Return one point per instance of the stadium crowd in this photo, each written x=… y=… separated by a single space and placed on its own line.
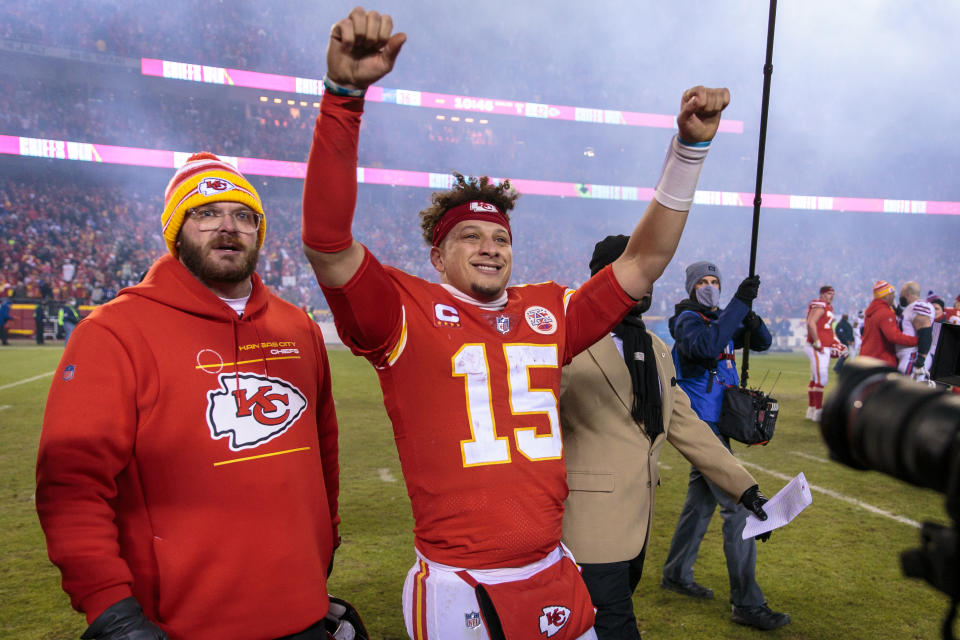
x=105 y=227
x=95 y=225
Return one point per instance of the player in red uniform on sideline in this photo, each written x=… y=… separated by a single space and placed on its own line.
x=469 y=368
x=821 y=345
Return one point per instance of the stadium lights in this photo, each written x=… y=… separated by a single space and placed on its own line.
x=264 y=98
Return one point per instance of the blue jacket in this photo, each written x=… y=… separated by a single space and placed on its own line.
x=703 y=352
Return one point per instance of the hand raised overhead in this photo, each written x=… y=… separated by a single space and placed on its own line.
x=362 y=49
x=700 y=109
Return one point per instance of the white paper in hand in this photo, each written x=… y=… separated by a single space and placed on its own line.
x=781 y=508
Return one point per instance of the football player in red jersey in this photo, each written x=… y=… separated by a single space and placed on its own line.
x=821 y=345
x=469 y=367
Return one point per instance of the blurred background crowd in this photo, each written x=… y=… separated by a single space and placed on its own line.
x=82 y=231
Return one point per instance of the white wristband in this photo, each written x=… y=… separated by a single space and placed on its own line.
x=681 y=171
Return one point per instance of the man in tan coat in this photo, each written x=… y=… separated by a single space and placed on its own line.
x=614 y=423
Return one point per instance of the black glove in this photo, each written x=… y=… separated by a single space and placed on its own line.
x=748 y=289
x=752 y=322
x=754 y=500
x=123 y=620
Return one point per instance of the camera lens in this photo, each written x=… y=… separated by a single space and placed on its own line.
x=879 y=419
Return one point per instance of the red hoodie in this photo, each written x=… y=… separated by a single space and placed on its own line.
x=880 y=333
x=189 y=458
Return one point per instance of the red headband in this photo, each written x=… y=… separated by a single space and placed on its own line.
x=473 y=210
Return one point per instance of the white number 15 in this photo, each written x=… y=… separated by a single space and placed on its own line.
x=485 y=447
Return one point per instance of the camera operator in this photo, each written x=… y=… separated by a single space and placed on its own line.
x=706 y=337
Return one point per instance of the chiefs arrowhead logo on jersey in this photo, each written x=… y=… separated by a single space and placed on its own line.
x=552 y=619
x=540 y=320
x=251 y=409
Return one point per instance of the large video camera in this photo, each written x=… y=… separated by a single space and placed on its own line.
x=878 y=419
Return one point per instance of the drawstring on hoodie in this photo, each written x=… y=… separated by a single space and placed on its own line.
x=236 y=353
x=266 y=368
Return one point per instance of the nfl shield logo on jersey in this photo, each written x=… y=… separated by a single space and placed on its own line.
x=471 y=620
x=503 y=324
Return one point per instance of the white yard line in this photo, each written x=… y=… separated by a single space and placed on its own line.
x=809 y=457
x=5 y=406
x=838 y=496
x=26 y=380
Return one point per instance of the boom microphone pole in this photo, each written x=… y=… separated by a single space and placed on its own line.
x=764 y=107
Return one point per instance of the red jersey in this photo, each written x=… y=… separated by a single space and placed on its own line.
x=472 y=395
x=824 y=324
x=951 y=315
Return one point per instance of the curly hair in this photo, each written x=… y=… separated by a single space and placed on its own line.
x=466 y=189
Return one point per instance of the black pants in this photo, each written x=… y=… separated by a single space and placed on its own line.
x=611 y=586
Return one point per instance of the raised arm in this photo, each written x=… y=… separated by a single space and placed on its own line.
x=655 y=238
x=362 y=49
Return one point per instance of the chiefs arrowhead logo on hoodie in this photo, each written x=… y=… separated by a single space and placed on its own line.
x=252 y=409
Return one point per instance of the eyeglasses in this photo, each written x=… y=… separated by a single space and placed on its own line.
x=246 y=221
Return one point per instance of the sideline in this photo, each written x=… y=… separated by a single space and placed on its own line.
x=26 y=380
x=838 y=496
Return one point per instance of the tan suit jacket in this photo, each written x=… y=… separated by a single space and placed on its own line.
x=611 y=465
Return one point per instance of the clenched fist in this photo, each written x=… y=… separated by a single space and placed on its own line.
x=700 y=110
x=362 y=49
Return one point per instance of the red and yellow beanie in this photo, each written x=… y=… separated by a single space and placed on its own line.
x=881 y=288
x=205 y=178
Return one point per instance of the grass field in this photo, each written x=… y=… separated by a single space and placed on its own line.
x=835 y=569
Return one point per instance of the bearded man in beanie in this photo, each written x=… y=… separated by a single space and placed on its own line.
x=187 y=477
x=706 y=337
x=619 y=402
